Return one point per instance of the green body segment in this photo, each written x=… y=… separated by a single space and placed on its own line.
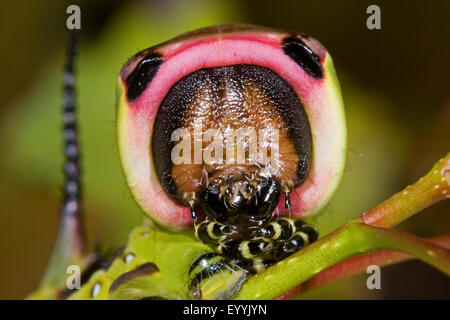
x=170 y=257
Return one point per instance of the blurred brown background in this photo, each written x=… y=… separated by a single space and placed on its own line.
x=395 y=84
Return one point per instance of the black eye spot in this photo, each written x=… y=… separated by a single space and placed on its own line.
x=303 y=56
x=144 y=72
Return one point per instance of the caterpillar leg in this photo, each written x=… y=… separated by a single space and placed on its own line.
x=210 y=232
x=303 y=235
x=241 y=250
x=310 y=230
x=254 y=265
x=280 y=230
x=291 y=237
x=269 y=244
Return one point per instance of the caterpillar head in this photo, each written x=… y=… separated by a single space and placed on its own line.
x=235 y=122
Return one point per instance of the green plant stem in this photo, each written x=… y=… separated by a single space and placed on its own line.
x=355 y=265
x=351 y=239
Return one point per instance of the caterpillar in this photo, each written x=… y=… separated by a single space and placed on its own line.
x=229 y=137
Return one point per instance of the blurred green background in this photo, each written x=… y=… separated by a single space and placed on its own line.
x=395 y=86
